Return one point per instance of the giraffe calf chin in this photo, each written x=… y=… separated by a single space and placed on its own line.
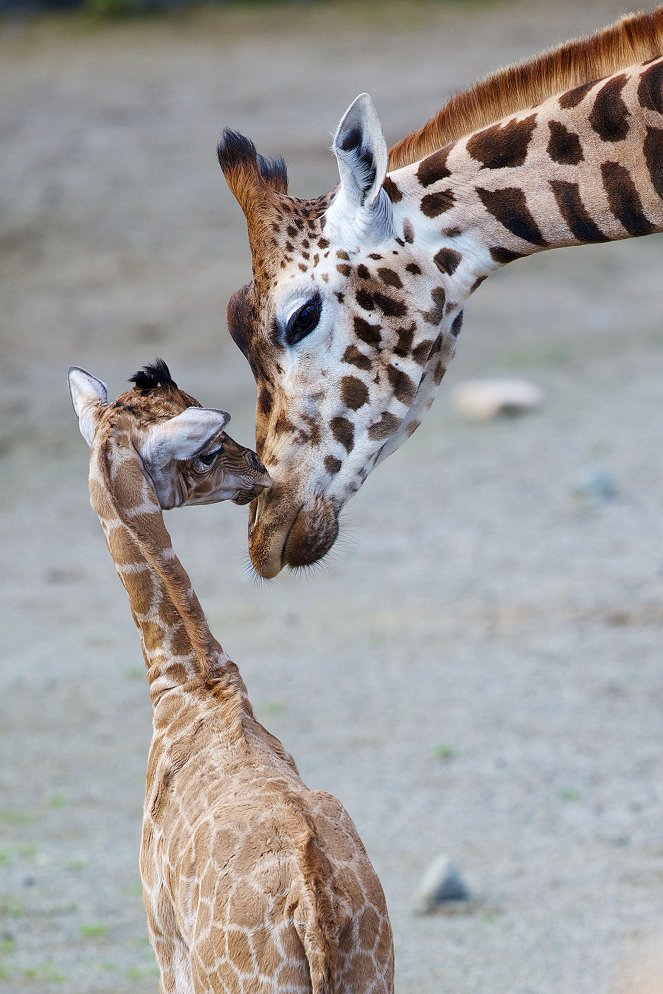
x=253 y=884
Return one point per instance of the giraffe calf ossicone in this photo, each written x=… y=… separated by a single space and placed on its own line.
x=253 y=883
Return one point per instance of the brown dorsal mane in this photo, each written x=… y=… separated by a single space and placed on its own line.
x=632 y=39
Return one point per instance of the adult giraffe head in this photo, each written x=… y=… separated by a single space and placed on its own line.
x=356 y=300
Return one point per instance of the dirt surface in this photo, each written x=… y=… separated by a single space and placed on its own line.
x=477 y=669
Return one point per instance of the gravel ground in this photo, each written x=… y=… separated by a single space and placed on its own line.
x=477 y=670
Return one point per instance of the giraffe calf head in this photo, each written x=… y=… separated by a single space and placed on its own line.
x=183 y=447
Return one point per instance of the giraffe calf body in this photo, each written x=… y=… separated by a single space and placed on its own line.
x=252 y=882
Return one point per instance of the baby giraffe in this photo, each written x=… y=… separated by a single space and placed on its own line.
x=253 y=883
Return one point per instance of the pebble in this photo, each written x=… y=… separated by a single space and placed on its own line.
x=440 y=885
x=482 y=400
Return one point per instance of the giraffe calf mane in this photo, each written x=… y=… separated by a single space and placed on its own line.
x=155 y=374
x=634 y=38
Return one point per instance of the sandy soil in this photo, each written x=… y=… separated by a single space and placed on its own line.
x=477 y=670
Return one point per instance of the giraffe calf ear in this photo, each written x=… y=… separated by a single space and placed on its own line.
x=89 y=396
x=361 y=154
x=182 y=437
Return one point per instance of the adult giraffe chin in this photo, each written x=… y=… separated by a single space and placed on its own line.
x=356 y=300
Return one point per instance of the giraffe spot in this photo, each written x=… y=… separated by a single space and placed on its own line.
x=502 y=146
x=284 y=424
x=609 y=115
x=509 y=207
x=289 y=247
x=342 y=254
x=362 y=272
x=325 y=277
x=457 y=325
x=303 y=268
x=574 y=213
x=305 y=243
x=264 y=400
x=323 y=243
x=390 y=277
x=447 y=260
x=384 y=427
x=408 y=231
x=354 y=357
x=354 y=392
x=344 y=432
x=306 y=255
x=653 y=149
x=650 y=88
x=239 y=951
x=332 y=465
x=367 y=332
x=405 y=339
x=421 y=351
x=434 y=167
x=624 y=200
x=440 y=370
x=436 y=313
x=564 y=145
x=365 y=300
x=291 y=230
x=413 y=268
x=477 y=283
x=339 y=296
x=412 y=427
x=403 y=386
x=374 y=255
x=575 y=96
x=344 y=269
x=390 y=308
x=392 y=190
x=504 y=255
x=434 y=204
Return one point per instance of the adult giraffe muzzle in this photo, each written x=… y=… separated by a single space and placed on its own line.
x=356 y=301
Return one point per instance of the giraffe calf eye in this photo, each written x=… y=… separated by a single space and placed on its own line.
x=303 y=321
x=209 y=457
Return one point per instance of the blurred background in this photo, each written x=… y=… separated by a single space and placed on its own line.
x=476 y=671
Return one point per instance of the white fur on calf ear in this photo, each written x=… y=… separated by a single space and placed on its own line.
x=183 y=436
x=88 y=395
x=361 y=204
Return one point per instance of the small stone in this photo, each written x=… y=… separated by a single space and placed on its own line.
x=440 y=885
x=482 y=400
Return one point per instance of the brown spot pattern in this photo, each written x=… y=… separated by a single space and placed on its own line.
x=653 y=149
x=385 y=427
x=354 y=392
x=436 y=313
x=392 y=190
x=447 y=260
x=367 y=332
x=434 y=167
x=390 y=277
x=650 y=88
x=403 y=386
x=332 y=464
x=572 y=209
x=504 y=255
x=457 y=325
x=509 y=207
x=344 y=432
x=434 y=204
x=502 y=146
x=624 y=200
x=609 y=115
x=573 y=97
x=564 y=145
x=356 y=358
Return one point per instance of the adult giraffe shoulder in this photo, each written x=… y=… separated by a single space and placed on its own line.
x=356 y=301
x=253 y=884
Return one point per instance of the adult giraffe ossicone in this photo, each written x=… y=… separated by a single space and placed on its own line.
x=356 y=300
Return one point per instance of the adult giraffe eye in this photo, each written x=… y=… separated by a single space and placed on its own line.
x=303 y=321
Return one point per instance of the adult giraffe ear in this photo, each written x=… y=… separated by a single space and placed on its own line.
x=182 y=437
x=89 y=396
x=360 y=203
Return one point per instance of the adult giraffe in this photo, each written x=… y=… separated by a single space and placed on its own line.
x=356 y=301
